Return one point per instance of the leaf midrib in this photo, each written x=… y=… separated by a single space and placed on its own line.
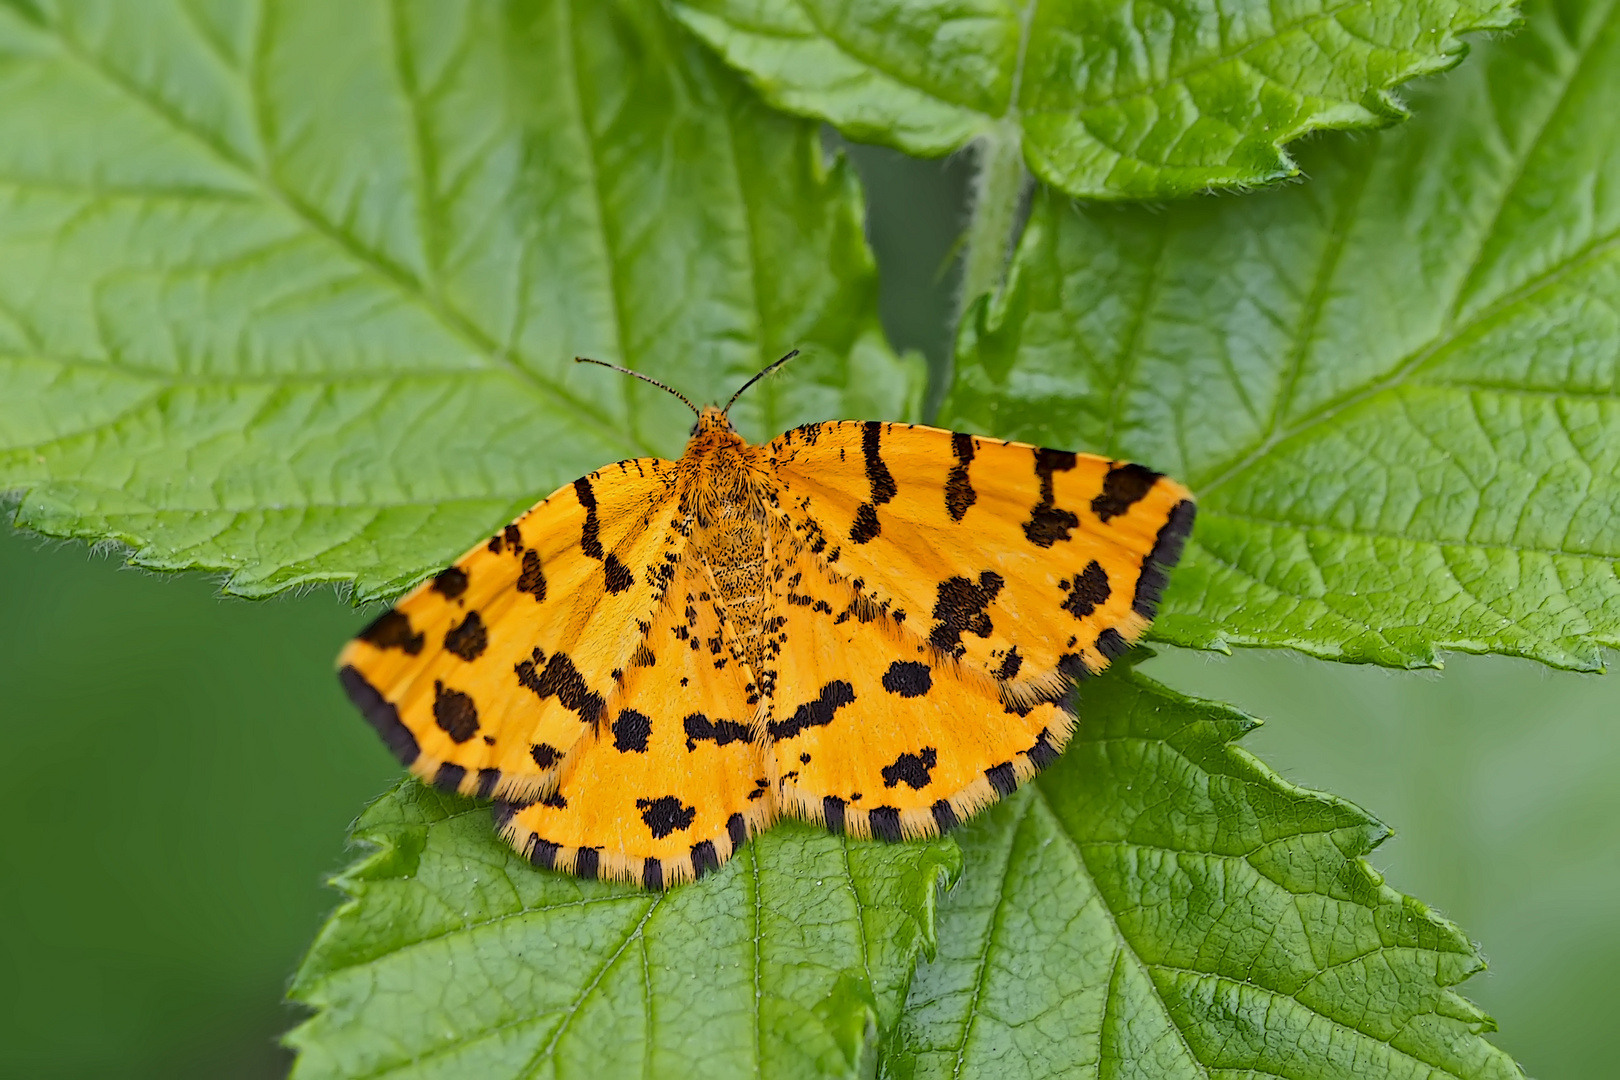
x=271 y=192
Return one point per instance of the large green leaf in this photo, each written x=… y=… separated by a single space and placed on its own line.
x=456 y=958
x=1395 y=389
x=1109 y=99
x=1159 y=904
x=293 y=290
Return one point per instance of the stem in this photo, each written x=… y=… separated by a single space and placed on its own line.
x=998 y=191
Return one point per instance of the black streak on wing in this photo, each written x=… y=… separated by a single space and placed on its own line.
x=468 y=639
x=959 y=493
x=1047 y=524
x=1123 y=487
x=652 y=873
x=380 y=714
x=885 y=823
x=532 y=580
x=617 y=575
x=818 y=713
x=1165 y=554
x=704 y=858
x=449 y=777
x=1010 y=665
x=590 y=537
x=562 y=680
x=1002 y=778
x=487 y=779
x=545 y=755
x=737 y=829
x=880 y=480
x=543 y=853
x=700 y=728
x=944 y=817
x=1111 y=644
x=832 y=809
x=392 y=630
x=587 y=862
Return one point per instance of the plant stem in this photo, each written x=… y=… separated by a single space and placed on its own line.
x=998 y=190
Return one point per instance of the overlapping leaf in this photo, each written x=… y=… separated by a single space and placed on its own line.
x=293 y=290
x=1395 y=389
x=1159 y=904
x=456 y=958
x=1109 y=100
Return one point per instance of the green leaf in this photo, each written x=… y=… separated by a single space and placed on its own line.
x=1395 y=389
x=456 y=958
x=1160 y=904
x=294 y=291
x=1110 y=100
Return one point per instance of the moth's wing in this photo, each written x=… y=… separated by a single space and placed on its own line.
x=1029 y=565
x=482 y=678
x=877 y=733
x=674 y=781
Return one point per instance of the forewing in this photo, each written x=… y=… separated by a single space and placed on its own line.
x=877 y=733
x=482 y=678
x=1028 y=565
x=674 y=781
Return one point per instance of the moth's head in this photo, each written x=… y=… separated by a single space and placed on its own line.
x=712 y=421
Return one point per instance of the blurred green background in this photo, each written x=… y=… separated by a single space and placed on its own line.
x=186 y=769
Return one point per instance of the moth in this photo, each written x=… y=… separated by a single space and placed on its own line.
x=873 y=626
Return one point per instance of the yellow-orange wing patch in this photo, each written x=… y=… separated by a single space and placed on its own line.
x=482 y=678
x=878 y=733
x=1029 y=566
x=674 y=781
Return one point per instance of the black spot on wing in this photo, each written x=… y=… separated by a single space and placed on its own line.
x=818 y=713
x=1088 y=590
x=908 y=679
x=700 y=728
x=737 y=830
x=959 y=493
x=913 y=770
x=1010 y=665
x=380 y=714
x=1124 y=486
x=590 y=537
x=643 y=657
x=960 y=609
x=514 y=538
x=587 y=863
x=1165 y=554
x=945 y=818
x=545 y=755
x=451 y=582
x=454 y=712
x=561 y=680
x=392 y=630
x=866 y=525
x=631 y=730
x=618 y=576
x=1047 y=524
x=449 y=777
x=468 y=639
x=532 y=580
x=665 y=814
x=652 y=873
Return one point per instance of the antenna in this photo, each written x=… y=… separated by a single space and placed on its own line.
x=756 y=379
x=646 y=378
